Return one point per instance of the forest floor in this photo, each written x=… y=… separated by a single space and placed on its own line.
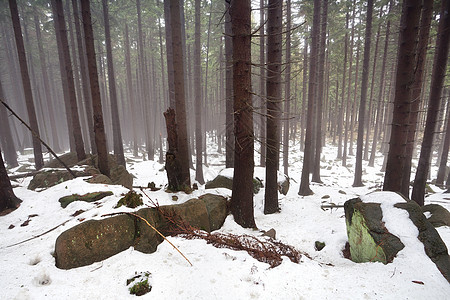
x=28 y=271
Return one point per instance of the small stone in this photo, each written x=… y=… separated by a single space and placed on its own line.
x=174 y=198
x=270 y=233
x=319 y=245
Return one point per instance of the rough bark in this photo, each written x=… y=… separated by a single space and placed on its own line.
x=273 y=93
x=99 y=128
x=304 y=189
x=437 y=80
x=362 y=106
x=242 y=194
x=229 y=117
x=262 y=84
x=6 y=138
x=197 y=97
x=402 y=101
x=38 y=159
x=8 y=199
x=287 y=90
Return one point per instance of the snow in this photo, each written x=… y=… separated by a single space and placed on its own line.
x=28 y=270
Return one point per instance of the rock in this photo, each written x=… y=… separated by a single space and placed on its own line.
x=217 y=210
x=319 y=245
x=25 y=168
x=220 y=182
x=435 y=248
x=100 y=178
x=119 y=175
x=93 y=241
x=193 y=212
x=283 y=185
x=439 y=215
x=147 y=239
x=368 y=238
x=70 y=159
x=50 y=178
x=89 y=197
x=270 y=233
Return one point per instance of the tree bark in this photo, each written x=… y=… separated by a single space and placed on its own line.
x=402 y=101
x=99 y=128
x=444 y=153
x=262 y=84
x=6 y=135
x=229 y=117
x=7 y=197
x=67 y=75
x=242 y=194
x=304 y=189
x=344 y=77
x=38 y=159
x=437 y=80
x=362 y=106
x=273 y=92
x=198 y=98
x=287 y=90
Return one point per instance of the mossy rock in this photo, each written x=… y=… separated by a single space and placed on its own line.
x=225 y=182
x=89 y=197
x=439 y=215
x=140 y=284
x=46 y=179
x=131 y=200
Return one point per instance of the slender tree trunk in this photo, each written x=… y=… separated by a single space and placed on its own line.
x=84 y=76
x=320 y=92
x=180 y=108
x=38 y=159
x=242 y=194
x=304 y=98
x=169 y=53
x=344 y=77
x=273 y=92
x=197 y=97
x=402 y=101
x=262 y=84
x=445 y=147
x=362 y=105
x=304 y=189
x=437 y=80
x=67 y=75
x=99 y=128
x=287 y=90
x=117 y=133
x=229 y=117
x=6 y=138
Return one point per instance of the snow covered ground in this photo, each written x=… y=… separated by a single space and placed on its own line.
x=27 y=271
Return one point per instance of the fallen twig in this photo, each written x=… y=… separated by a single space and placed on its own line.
x=143 y=219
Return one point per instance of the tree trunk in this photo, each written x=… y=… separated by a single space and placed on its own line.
x=362 y=106
x=99 y=128
x=180 y=108
x=344 y=77
x=67 y=75
x=320 y=93
x=445 y=147
x=304 y=189
x=229 y=117
x=169 y=52
x=242 y=194
x=437 y=80
x=6 y=135
x=402 y=101
x=273 y=92
x=38 y=159
x=7 y=197
x=117 y=133
x=197 y=97
x=262 y=84
x=424 y=33
x=287 y=90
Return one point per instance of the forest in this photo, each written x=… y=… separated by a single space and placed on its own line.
x=301 y=105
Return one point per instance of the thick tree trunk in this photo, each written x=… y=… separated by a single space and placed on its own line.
x=362 y=106
x=262 y=84
x=6 y=138
x=169 y=53
x=287 y=90
x=229 y=117
x=437 y=80
x=304 y=189
x=67 y=75
x=273 y=92
x=99 y=128
x=424 y=33
x=7 y=197
x=242 y=194
x=38 y=159
x=180 y=106
x=117 y=133
x=402 y=102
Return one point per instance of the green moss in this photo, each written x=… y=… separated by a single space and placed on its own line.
x=363 y=247
x=131 y=200
x=141 y=286
x=89 y=197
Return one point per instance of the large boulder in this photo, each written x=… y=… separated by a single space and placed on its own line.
x=370 y=240
x=93 y=241
x=439 y=215
x=46 y=179
x=89 y=197
x=70 y=159
x=368 y=237
x=222 y=181
x=120 y=176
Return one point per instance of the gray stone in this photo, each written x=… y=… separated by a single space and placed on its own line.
x=217 y=210
x=93 y=241
x=100 y=178
x=120 y=176
x=439 y=215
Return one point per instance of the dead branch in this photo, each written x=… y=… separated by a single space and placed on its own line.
x=38 y=137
